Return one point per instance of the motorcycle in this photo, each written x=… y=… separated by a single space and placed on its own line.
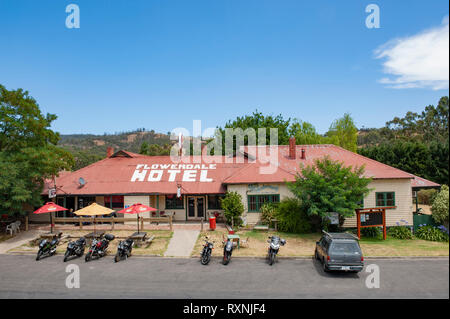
x=227 y=251
x=274 y=247
x=47 y=247
x=75 y=248
x=206 y=252
x=124 y=249
x=99 y=247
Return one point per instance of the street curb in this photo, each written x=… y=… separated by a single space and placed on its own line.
x=252 y=257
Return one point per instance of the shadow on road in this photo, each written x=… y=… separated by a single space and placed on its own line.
x=333 y=274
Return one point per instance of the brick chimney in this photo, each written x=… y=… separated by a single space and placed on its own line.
x=292 y=147
x=109 y=151
x=303 y=156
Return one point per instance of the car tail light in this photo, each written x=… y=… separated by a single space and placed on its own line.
x=362 y=258
x=328 y=258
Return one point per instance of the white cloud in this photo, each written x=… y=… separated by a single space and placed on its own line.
x=418 y=61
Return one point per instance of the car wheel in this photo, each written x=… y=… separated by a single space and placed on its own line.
x=316 y=255
x=324 y=266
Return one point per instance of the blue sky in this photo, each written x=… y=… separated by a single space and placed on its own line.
x=160 y=64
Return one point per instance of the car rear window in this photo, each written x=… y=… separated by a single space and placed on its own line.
x=350 y=247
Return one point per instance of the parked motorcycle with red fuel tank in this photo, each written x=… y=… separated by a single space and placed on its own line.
x=99 y=247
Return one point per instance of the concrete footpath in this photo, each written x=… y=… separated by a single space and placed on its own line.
x=18 y=240
x=182 y=243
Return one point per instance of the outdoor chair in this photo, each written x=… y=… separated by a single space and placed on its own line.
x=13 y=227
x=244 y=242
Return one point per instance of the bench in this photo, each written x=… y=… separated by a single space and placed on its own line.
x=148 y=241
x=261 y=227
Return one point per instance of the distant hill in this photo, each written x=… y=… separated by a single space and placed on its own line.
x=97 y=144
x=89 y=148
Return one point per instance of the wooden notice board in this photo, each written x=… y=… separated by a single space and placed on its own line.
x=371 y=217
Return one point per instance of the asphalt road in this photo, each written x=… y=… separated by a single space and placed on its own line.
x=143 y=277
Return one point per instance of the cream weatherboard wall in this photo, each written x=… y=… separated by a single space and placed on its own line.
x=401 y=187
x=258 y=189
x=403 y=201
x=130 y=200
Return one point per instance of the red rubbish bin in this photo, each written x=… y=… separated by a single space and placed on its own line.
x=212 y=223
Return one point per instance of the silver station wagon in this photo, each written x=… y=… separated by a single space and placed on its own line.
x=339 y=251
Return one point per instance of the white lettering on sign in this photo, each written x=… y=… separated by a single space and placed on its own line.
x=173 y=174
x=204 y=176
x=158 y=172
x=155 y=175
x=189 y=175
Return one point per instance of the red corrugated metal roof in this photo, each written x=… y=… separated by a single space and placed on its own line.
x=114 y=175
x=422 y=182
x=288 y=166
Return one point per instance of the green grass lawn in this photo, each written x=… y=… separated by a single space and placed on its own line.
x=304 y=245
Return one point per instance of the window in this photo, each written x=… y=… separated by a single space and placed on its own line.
x=214 y=201
x=174 y=202
x=255 y=202
x=117 y=201
x=385 y=199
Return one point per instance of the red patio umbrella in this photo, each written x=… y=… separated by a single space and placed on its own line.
x=49 y=208
x=136 y=209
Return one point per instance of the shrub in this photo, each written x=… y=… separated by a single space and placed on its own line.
x=370 y=232
x=439 y=209
x=233 y=208
x=432 y=233
x=291 y=217
x=426 y=196
x=400 y=232
x=268 y=211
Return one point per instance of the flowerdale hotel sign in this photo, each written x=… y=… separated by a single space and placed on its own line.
x=172 y=172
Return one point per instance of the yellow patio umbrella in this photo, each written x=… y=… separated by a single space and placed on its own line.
x=94 y=210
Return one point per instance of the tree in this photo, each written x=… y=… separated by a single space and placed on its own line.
x=344 y=133
x=255 y=121
x=305 y=133
x=329 y=186
x=84 y=158
x=232 y=207
x=429 y=161
x=28 y=151
x=144 y=148
x=291 y=216
x=439 y=209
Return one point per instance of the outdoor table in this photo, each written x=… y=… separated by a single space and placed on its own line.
x=139 y=238
x=233 y=237
x=50 y=235
x=92 y=235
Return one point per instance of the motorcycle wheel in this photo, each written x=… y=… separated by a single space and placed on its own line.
x=205 y=259
x=117 y=258
x=88 y=256
x=271 y=258
x=39 y=255
x=66 y=256
x=226 y=259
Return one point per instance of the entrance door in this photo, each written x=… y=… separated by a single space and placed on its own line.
x=196 y=207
